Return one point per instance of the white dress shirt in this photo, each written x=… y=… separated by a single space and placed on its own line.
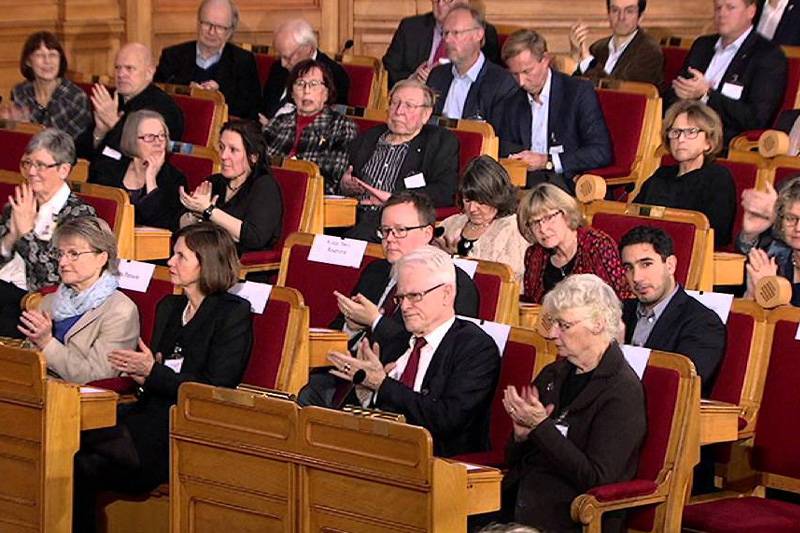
x=203 y=62
x=459 y=88
x=614 y=53
x=539 y=117
x=723 y=55
x=770 y=18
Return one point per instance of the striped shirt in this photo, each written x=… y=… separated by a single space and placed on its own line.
x=383 y=168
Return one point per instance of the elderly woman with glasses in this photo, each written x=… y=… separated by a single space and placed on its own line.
x=551 y=221
x=313 y=131
x=581 y=422
x=143 y=171
x=28 y=260
x=87 y=317
x=693 y=133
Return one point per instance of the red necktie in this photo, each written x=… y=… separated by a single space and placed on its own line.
x=441 y=51
x=389 y=307
x=410 y=372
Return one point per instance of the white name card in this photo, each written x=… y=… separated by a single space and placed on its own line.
x=135 y=275
x=717 y=302
x=337 y=251
x=467 y=265
x=255 y=293
x=637 y=357
x=497 y=331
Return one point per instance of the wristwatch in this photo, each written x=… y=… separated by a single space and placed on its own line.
x=549 y=164
x=207 y=212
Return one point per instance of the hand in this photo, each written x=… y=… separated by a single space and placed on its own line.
x=376 y=196
x=692 y=88
x=525 y=410
x=15 y=112
x=137 y=365
x=758 y=211
x=199 y=200
x=349 y=184
x=209 y=85
x=422 y=72
x=23 y=209
x=534 y=160
x=578 y=41
x=106 y=109
x=358 y=309
x=759 y=265
x=368 y=360
x=37 y=326
x=152 y=166
x=264 y=121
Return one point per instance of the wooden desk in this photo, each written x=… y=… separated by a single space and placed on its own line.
x=339 y=211
x=728 y=268
x=98 y=408
x=151 y=243
x=321 y=341
x=483 y=488
x=719 y=422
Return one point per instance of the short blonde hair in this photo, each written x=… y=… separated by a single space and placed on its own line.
x=541 y=199
x=522 y=40
x=587 y=291
x=702 y=117
x=97 y=234
x=433 y=259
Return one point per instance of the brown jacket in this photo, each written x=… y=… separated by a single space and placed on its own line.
x=641 y=61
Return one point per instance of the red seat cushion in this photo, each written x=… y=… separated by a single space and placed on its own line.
x=470 y=144
x=611 y=171
x=674 y=56
x=625 y=115
x=261 y=257
x=120 y=385
x=444 y=212
x=489 y=290
x=744 y=177
x=792 y=83
x=730 y=379
x=13 y=143
x=263 y=65
x=361 y=77
x=624 y=489
x=269 y=335
x=196 y=169
x=494 y=458
x=147 y=302
x=783 y=174
x=106 y=208
x=365 y=124
x=294 y=188
x=198 y=116
x=748 y=514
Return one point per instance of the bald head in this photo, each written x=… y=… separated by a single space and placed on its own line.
x=295 y=41
x=133 y=69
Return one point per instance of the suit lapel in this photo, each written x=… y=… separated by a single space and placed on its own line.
x=554 y=110
x=473 y=102
x=735 y=72
x=425 y=45
x=413 y=160
x=440 y=356
x=664 y=324
x=87 y=318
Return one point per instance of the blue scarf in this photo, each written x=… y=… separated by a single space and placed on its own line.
x=69 y=302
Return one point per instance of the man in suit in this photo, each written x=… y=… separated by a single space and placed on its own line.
x=470 y=86
x=736 y=71
x=554 y=124
x=407 y=223
x=627 y=54
x=442 y=374
x=213 y=63
x=779 y=21
x=418 y=44
x=295 y=41
x=663 y=316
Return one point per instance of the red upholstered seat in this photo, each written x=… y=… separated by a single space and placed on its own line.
x=732 y=371
x=444 y=212
x=198 y=118
x=13 y=145
x=625 y=115
x=120 y=385
x=624 y=489
x=785 y=173
x=674 y=56
x=744 y=177
x=470 y=146
x=106 y=208
x=6 y=190
x=147 y=302
x=748 y=514
x=264 y=63
x=488 y=286
x=792 y=82
x=364 y=124
x=269 y=334
x=196 y=169
x=361 y=80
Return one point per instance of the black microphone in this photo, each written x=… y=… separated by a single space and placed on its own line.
x=348 y=44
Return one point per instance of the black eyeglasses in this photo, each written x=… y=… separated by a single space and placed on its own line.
x=26 y=164
x=400 y=232
x=150 y=138
x=689 y=133
x=210 y=27
x=413 y=297
x=73 y=255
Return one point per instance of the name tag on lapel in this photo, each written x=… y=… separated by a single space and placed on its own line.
x=732 y=90
x=415 y=182
x=110 y=152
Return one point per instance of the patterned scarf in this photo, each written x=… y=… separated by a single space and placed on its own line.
x=69 y=302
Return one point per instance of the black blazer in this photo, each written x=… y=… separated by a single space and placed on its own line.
x=278 y=76
x=788 y=31
x=485 y=97
x=216 y=347
x=575 y=121
x=786 y=120
x=235 y=72
x=411 y=45
x=686 y=327
x=455 y=400
x=641 y=61
x=434 y=152
x=759 y=67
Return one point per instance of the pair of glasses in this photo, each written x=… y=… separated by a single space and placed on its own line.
x=563 y=325
x=210 y=27
x=790 y=220
x=310 y=84
x=150 y=138
x=397 y=104
x=73 y=255
x=413 y=297
x=543 y=220
x=689 y=133
x=27 y=164
x=455 y=34
x=399 y=232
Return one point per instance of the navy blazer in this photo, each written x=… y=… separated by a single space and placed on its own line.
x=759 y=67
x=575 y=122
x=786 y=120
x=788 y=31
x=485 y=97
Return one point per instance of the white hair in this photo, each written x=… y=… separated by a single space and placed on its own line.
x=589 y=292
x=300 y=30
x=434 y=260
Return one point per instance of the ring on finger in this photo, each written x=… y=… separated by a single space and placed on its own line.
x=347 y=367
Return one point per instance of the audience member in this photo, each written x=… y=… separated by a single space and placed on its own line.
x=203 y=335
x=487 y=228
x=575 y=140
x=779 y=21
x=405 y=153
x=789 y=122
x=134 y=69
x=294 y=42
x=736 y=71
x=244 y=199
x=441 y=375
x=581 y=422
x=87 y=317
x=628 y=54
x=143 y=171
x=551 y=221
x=47 y=97
x=213 y=63
x=313 y=131
x=661 y=316
x=693 y=133
x=28 y=259
x=418 y=43
x=407 y=222
x=471 y=86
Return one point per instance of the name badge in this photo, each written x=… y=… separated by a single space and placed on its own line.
x=135 y=275
x=556 y=149
x=110 y=152
x=255 y=293
x=337 y=251
x=415 y=182
x=732 y=90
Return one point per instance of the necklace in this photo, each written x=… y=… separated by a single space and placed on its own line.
x=479 y=226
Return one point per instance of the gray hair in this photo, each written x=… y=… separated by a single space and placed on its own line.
x=97 y=234
x=433 y=259
x=130 y=131
x=428 y=95
x=300 y=30
x=589 y=292
x=233 y=7
x=56 y=142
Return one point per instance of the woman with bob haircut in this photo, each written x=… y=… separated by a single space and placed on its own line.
x=551 y=221
x=203 y=335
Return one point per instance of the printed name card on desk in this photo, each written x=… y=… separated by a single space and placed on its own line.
x=467 y=265
x=716 y=301
x=135 y=275
x=637 y=357
x=255 y=293
x=497 y=331
x=337 y=251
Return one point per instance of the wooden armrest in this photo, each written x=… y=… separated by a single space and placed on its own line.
x=340 y=212
x=719 y=421
x=517 y=171
x=321 y=341
x=151 y=243
x=728 y=268
x=588 y=509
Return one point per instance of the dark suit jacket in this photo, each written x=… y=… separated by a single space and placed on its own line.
x=788 y=31
x=236 y=74
x=686 y=327
x=759 y=66
x=434 y=152
x=278 y=76
x=411 y=45
x=642 y=61
x=373 y=282
x=787 y=119
x=485 y=98
x=455 y=400
x=575 y=121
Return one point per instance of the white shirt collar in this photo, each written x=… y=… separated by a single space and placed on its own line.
x=434 y=338
x=57 y=201
x=207 y=61
x=545 y=94
x=473 y=71
x=613 y=49
x=735 y=45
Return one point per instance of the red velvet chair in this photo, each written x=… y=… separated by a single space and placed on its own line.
x=264 y=64
x=14 y=137
x=108 y=202
x=745 y=174
x=785 y=167
x=204 y=113
x=791 y=98
x=499 y=292
x=655 y=496
x=366 y=80
x=674 y=57
x=196 y=162
x=773 y=455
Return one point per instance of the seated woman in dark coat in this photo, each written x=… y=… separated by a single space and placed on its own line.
x=582 y=421
x=244 y=199
x=203 y=335
x=142 y=170
x=693 y=133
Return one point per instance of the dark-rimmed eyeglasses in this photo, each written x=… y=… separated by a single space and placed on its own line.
x=210 y=27
x=544 y=219
x=399 y=232
x=150 y=138
x=27 y=164
x=413 y=297
x=73 y=255
x=689 y=133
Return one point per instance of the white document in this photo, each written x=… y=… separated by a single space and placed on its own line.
x=255 y=293
x=732 y=90
x=110 y=152
x=337 y=251
x=637 y=357
x=135 y=275
x=415 y=182
x=716 y=301
x=497 y=331
x=467 y=265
